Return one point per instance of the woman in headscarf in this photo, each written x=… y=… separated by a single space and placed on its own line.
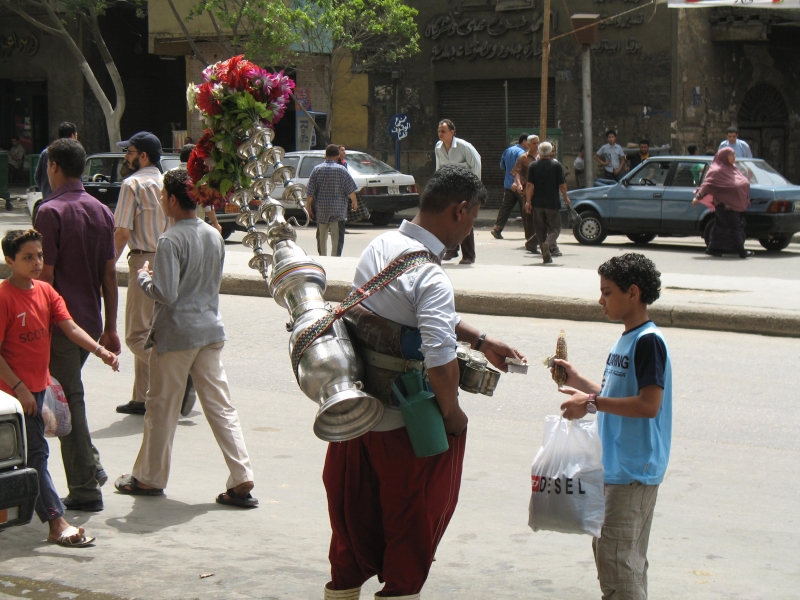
x=730 y=191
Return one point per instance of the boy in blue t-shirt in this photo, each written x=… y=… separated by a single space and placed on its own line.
x=634 y=406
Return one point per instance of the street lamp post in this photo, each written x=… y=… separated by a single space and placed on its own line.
x=585 y=37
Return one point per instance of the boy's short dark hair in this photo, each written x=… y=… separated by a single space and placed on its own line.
x=14 y=240
x=733 y=129
x=69 y=155
x=634 y=269
x=611 y=131
x=450 y=185
x=186 y=152
x=67 y=129
x=176 y=182
x=449 y=124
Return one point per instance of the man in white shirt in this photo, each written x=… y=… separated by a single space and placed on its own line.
x=740 y=147
x=451 y=150
x=388 y=508
x=612 y=157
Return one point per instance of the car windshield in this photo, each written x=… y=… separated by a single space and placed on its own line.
x=364 y=164
x=760 y=173
x=651 y=172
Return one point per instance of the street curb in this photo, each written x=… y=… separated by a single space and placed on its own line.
x=714 y=318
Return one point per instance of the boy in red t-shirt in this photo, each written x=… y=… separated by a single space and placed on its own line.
x=28 y=308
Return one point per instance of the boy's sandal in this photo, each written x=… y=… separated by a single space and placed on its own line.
x=127 y=484
x=72 y=537
x=231 y=498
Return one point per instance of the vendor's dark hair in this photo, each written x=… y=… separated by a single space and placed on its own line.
x=67 y=129
x=13 y=240
x=634 y=269
x=452 y=184
x=69 y=155
x=176 y=182
x=186 y=152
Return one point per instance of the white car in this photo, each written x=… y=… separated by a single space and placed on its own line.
x=384 y=189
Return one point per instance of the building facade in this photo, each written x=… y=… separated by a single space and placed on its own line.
x=666 y=75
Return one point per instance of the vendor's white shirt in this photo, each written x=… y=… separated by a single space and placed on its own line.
x=423 y=297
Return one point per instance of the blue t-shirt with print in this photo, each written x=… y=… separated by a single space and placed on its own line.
x=637 y=449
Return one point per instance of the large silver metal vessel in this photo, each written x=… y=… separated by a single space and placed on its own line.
x=329 y=370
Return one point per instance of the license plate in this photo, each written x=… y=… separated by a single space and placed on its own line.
x=394 y=190
x=9 y=514
x=231 y=208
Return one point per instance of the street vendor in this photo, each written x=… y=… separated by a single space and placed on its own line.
x=388 y=508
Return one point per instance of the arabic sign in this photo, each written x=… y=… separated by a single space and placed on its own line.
x=795 y=4
x=304 y=130
x=13 y=43
x=399 y=126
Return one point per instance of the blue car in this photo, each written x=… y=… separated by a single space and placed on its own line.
x=655 y=199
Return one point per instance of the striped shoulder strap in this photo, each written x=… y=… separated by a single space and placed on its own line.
x=392 y=271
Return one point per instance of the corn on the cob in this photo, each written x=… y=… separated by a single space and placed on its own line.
x=559 y=373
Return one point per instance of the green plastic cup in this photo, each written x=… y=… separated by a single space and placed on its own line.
x=423 y=418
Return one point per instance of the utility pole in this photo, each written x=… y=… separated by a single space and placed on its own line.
x=587 y=34
x=545 y=64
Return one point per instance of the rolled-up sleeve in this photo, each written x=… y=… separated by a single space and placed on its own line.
x=125 y=213
x=434 y=301
x=473 y=160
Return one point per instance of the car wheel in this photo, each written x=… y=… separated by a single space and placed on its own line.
x=381 y=219
x=707 y=231
x=227 y=230
x=590 y=230
x=640 y=239
x=775 y=243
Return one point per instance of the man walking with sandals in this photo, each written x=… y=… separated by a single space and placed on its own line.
x=388 y=508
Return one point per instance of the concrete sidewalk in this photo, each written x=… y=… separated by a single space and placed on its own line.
x=745 y=305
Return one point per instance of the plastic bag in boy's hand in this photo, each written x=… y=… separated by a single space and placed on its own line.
x=55 y=411
x=567 y=479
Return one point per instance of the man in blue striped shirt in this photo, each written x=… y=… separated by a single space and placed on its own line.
x=328 y=189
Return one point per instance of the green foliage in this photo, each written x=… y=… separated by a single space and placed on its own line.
x=261 y=29
x=377 y=32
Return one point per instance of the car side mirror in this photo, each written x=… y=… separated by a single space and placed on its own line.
x=625 y=182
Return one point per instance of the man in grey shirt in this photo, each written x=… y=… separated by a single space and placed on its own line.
x=186 y=338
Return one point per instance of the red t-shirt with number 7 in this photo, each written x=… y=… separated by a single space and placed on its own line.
x=26 y=317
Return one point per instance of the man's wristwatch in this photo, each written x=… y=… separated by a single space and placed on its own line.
x=591 y=404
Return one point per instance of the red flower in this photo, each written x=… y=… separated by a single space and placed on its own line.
x=206 y=101
x=205 y=146
x=196 y=166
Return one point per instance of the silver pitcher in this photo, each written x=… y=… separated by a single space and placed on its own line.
x=329 y=370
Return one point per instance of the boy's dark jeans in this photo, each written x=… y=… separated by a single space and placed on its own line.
x=48 y=505
x=81 y=459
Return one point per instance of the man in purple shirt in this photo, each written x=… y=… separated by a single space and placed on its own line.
x=79 y=261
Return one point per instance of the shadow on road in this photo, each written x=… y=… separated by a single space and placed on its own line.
x=153 y=513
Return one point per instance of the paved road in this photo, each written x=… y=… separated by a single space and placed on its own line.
x=726 y=522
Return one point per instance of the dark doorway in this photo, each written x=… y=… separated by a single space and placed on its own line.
x=763 y=123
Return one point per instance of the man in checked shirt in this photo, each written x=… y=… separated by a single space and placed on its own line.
x=329 y=188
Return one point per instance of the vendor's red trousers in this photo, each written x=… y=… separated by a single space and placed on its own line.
x=388 y=509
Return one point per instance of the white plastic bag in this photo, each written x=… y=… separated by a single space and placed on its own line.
x=567 y=478
x=55 y=411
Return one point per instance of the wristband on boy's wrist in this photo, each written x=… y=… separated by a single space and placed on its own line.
x=96 y=350
x=14 y=389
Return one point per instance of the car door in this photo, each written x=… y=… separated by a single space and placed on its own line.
x=677 y=213
x=98 y=178
x=635 y=203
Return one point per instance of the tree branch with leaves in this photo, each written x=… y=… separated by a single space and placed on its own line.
x=51 y=16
